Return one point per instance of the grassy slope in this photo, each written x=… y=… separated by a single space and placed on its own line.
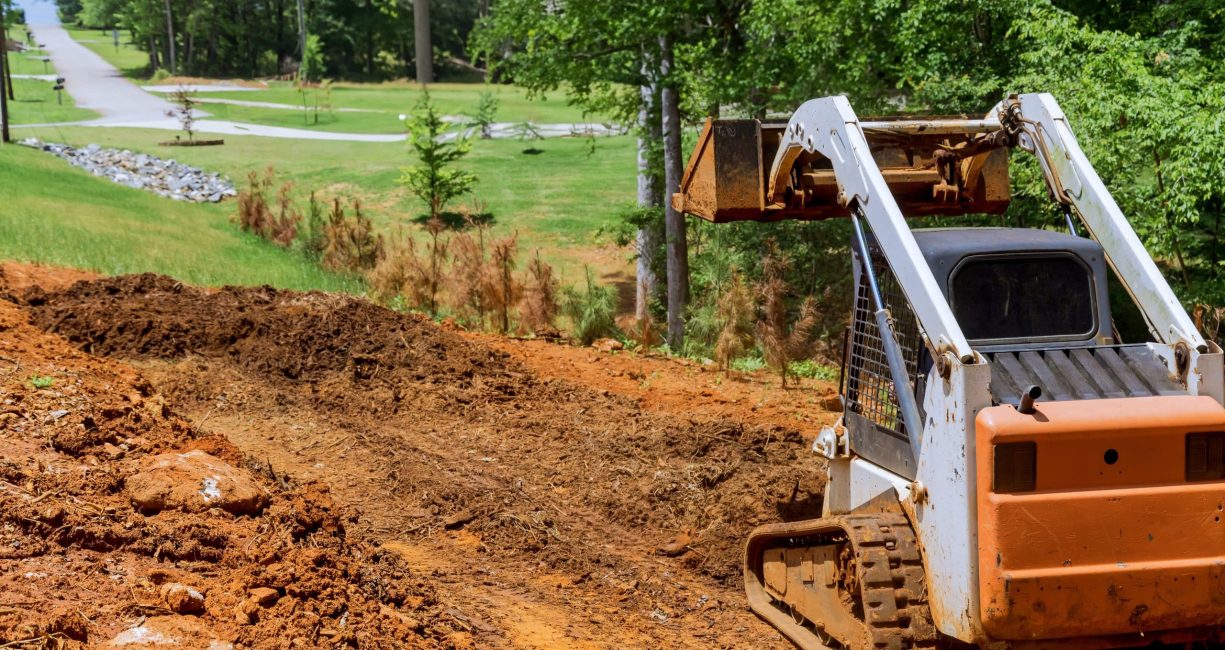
x=558 y=201
x=57 y=214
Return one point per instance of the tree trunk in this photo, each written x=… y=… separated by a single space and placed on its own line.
x=4 y=70
x=6 y=66
x=648 y=192
x=674 y=222
x=421 y=41
x=302 y=30
x=170 y=38
x=154 y=61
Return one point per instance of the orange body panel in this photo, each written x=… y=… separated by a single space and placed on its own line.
x=1097 y=548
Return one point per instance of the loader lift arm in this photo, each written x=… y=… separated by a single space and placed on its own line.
x=1037 y=125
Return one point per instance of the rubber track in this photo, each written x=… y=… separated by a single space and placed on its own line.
x=892 y=583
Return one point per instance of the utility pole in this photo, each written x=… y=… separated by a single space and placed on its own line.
x=421 y=41
x=4 y=68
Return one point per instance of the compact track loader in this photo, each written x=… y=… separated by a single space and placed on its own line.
x=1007 y=472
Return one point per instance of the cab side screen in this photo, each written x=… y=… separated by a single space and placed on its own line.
x=1024 y=298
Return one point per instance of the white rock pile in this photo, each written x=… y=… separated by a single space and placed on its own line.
x=167 y=178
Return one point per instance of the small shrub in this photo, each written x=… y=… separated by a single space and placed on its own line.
x=349 y=243
x=528 y=133
x=182 y=97
x=735 y=312
x=813 y=369
x=314 y=237
x=503 y=289
x=41 y=382
x=256 y=216
x=782 y=340
x=407 y=274
x=591 y=311
x=434 y=180
x=160 y=74
x=283 y=228
x=390 y=278
x=539 y=308
x=468 y=277
x=485 y=113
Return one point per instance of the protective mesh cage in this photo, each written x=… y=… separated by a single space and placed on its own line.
x=869 y=387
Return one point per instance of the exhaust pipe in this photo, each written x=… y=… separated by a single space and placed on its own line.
x=1026 y=404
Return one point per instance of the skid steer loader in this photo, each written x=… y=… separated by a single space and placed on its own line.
x=1007 y=472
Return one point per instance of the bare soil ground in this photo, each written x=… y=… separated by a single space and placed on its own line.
x=433 y=488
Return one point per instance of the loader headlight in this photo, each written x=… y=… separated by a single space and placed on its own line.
x=1016 y=467
x=1206 y=456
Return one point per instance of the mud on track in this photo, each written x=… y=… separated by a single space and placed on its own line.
x=539 y=512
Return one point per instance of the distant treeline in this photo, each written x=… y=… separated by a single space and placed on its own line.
x=358 y=39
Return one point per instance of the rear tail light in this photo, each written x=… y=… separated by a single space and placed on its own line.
x=1206 y=456
x=1016 y=467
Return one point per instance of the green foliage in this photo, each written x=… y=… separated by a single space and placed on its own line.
x=313 y=238
x=434 y=180
x=41 y=382
x=811 y=369
x=592 y=311
x=485 y=113
x=370 y=39
x=313 y=65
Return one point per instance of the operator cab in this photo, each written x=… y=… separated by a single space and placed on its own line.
x=1021 y=289
x=1034 y=303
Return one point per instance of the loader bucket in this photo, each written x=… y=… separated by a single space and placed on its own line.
x=726 y=178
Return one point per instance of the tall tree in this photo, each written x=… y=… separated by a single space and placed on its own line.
x=678 y=249
x=170 y=60
x=423 y=44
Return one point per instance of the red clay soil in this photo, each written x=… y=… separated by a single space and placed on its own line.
x=673 y=385
x=79 y=565
x=515 y=502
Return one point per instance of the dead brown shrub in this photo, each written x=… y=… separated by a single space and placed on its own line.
x=540 y=305
x=782 y=341
x=735 y=311
x=256 y=216
x=349 y=243
x=503 y=289
x=412 y=275
x=468 y=279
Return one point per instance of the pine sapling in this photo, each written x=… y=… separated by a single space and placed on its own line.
x=539 y=308
x=782 y=341
x=735 y=312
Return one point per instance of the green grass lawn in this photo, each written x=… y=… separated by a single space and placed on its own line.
x=382 y=104
x=394 y=98
x=563 y=201
x=35 y=103
x=130 y=60
x=57 y=214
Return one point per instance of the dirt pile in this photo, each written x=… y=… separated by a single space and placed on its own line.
x=555 y=513
x=79 y=564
